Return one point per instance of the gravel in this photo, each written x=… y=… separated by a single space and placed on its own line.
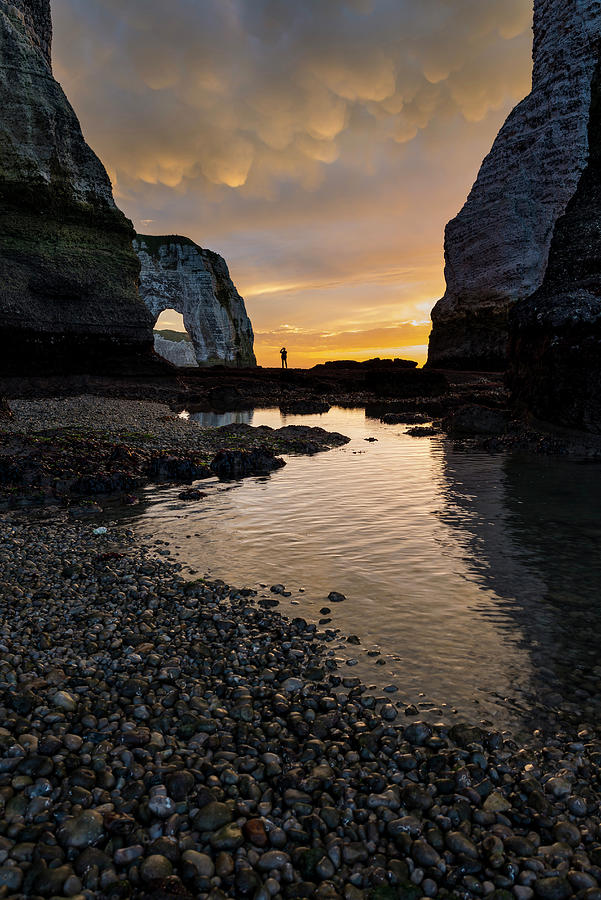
x=162 y=738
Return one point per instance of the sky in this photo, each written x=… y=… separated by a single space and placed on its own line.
x=319 y=145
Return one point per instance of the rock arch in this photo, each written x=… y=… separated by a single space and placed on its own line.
x=178 y=274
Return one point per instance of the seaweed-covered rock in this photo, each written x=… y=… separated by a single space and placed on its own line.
x=230 y=465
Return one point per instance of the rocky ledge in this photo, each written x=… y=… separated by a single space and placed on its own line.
x=68 y=450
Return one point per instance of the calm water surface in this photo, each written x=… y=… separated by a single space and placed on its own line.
x=477 y=576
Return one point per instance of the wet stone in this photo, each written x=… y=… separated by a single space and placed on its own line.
x=418 y=733
x=424 y=854
x=155 y=867
x=201 y=863
x=273 y=859
x=65 y=701
x=227 y=838
x=552 y=888
x=459 y=844
x=83 y=830
x=213 y=816
x=180 y=784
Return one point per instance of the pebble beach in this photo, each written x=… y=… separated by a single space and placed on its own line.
x=163 y=738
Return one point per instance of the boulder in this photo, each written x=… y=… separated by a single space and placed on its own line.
x=475 y=420
x=178 y=353
x=230 y=465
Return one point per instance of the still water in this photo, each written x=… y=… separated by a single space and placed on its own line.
x=476 y=576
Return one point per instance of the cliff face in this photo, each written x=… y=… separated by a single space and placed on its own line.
x=555 y=335
x=178 y=353
x=68 y=276
x=177 y=274
x=497 y=248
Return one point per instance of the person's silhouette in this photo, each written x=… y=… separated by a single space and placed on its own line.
x=284 y=355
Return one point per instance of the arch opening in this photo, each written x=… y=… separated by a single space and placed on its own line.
x=172 y=341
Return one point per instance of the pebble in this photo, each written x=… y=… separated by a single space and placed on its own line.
x=182 y=739
x=65 y=701
x=201 y=862
x=83 y=830
x=155 y=867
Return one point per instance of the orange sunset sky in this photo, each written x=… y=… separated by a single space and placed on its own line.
x=319 y=146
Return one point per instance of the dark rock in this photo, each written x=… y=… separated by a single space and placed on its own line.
x=463 y=735
x=407 y=418
x=191 y=495
x=180 y=784
x=309 y=406
x=405 y=383
x=213 y=816
x=475 y=420
x=375 y=363
x=230 y=465
x=417 y=733
x=175 y=468
x=552 y=888
x=227 y=397
x=555 y=335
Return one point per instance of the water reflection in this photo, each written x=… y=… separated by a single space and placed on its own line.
x=475 y=575
x=215 y=419
x=533 y=538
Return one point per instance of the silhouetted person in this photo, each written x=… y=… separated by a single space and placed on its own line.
x=284 y=355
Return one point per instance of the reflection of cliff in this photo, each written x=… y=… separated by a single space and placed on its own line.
x=533 y=537
x=217 y=419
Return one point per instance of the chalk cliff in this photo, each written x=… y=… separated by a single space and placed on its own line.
x=178 y=274
x=68 y=275
x=496 y=249
x=178 y=353
x=555 y=335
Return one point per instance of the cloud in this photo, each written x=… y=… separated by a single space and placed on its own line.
x=324 y=142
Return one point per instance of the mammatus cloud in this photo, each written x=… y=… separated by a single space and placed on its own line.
x=316 y=142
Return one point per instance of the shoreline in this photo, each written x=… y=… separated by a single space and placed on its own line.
x=71 y=450
x=184 y=739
